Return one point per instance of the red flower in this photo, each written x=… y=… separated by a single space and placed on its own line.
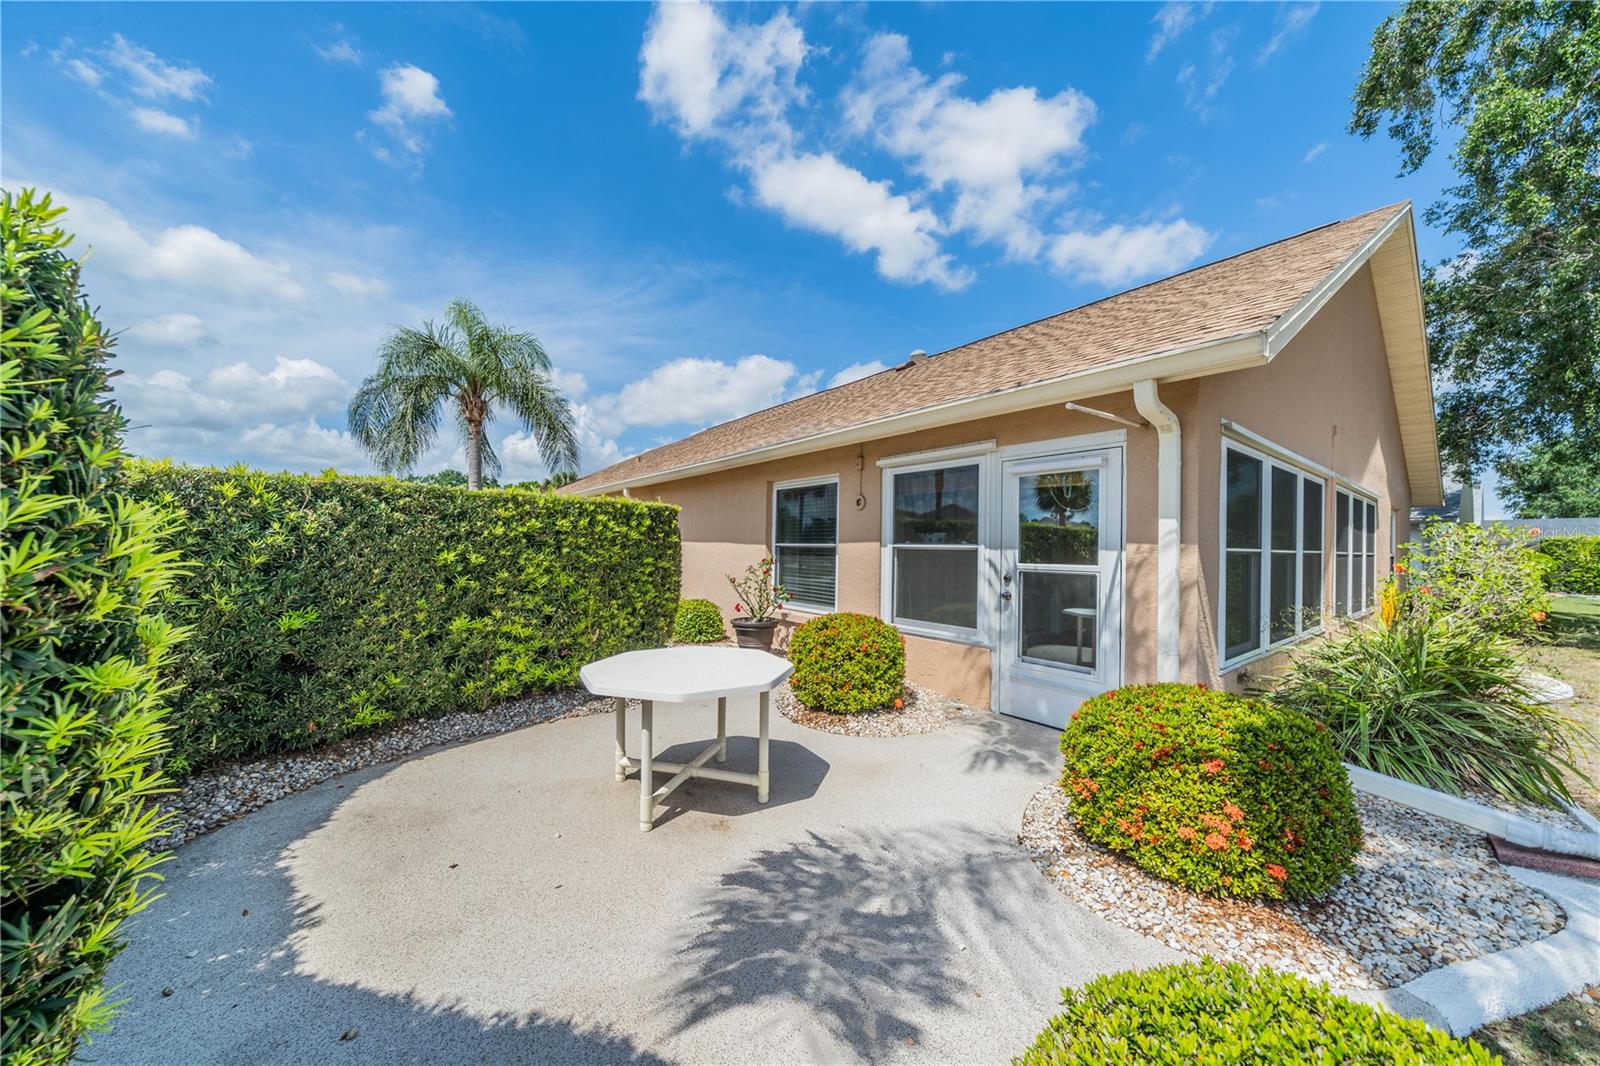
x=1212 y=766
x=1245 y=843
x=1233 y=812
x=1400 y=568
x=1186 y=833
x=1276 y=872
x=738 y=607
x=1216 y=841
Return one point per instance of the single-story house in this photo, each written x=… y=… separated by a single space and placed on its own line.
x=1173 y=483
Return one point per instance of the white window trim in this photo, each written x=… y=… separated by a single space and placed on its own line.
x=773 y=545
x=1269 y=458
x=968 y=455
x=1356 y=494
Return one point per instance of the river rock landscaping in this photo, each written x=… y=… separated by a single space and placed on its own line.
x=206 y=801
x=1426 y=893
x=924 y=712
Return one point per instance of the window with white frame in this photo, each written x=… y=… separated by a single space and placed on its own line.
x=934 y=542
x=805 y=542
x=1355 y=537
x=1272 y=552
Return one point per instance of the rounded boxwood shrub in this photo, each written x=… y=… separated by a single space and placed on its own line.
x=845 y=663
x=697 y=622
x=1215 y=792
x=1207 y=1014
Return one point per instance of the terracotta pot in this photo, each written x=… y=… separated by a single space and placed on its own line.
x=753 y=633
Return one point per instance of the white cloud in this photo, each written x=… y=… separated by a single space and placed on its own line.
x=191 y=256
x=411 y=103
x=985 y=150
x=857 y=371
x=84 y=71
x=341 y=49
x=156 y=120
x=148 y=75
x=1172 y=21
x=176 y=330
x=231 y=397
x=1292 y=18
x=1200 y=88
x=818 y=192
x=519 y=454
x=306 y=445
x=1117 y=254
x=699 y=392
x=357 y=287
x=1315 y=150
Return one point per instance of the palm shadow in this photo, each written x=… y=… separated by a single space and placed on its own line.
x=1004 y=743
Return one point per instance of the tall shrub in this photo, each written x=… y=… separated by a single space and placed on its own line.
x=83 y=715
x=1488 y=576
x=1572 y=564
x=321 y=606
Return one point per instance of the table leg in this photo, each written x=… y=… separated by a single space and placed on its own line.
x=647 y=780
x=621 y=766
x=722 y=729
x=761 y=751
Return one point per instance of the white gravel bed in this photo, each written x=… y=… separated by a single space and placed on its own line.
x=1426 y=893
x=924 y=712
x=207 y=800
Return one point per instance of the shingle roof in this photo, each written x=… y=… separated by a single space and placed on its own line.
x=1237 y=295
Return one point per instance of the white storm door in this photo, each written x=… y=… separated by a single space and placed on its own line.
x=1061 y=564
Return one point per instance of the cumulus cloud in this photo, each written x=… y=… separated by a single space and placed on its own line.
x=699 y=392
x=187 y=255
x=156 y=120
x=985 y=150
x=411 y=105
x=232 y=396
x=176 y=330
x=357 y=287
x=306 y=445
x=1117 y=254
x=857 y=371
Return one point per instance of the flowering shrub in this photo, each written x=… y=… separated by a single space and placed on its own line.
x=1215 y=792
x=1208 y=1014
x=758 y=595
x=844 y=663
x=1571 y=564
x=1489 y=576
x=698 y=622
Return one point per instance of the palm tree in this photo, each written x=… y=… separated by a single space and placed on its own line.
x=395 y=413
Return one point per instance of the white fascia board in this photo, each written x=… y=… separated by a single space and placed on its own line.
x=1282 y=331
x=1239 y=352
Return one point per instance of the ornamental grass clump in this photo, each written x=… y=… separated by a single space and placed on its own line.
x=1208 y=1014
x=1215 y=792
x=846 y=663
x=698 y=622
x=1434 y=699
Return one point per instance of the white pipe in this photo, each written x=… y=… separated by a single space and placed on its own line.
x=1503 y=824
x=1169 y=510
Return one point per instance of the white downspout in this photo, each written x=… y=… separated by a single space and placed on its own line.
x=1169 y=508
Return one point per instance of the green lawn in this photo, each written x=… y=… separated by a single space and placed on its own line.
x=1572 y=653
x=1567 y=1031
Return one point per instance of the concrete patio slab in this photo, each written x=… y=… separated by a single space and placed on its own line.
x=495 y=902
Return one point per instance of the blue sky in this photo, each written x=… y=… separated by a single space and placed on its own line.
x=701 y=211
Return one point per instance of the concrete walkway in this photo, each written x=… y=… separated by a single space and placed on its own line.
x=495 y=902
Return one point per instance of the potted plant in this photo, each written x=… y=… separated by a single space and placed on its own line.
x=758 y=598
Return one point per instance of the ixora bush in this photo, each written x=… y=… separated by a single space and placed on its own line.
x=845 y=663
x=1209 y=1014
x=324 y=605
x=1215 y=792
x=1489 y=576
x=1433 y=699
x=698 y=622
x=82 y=701
x=1571 y=564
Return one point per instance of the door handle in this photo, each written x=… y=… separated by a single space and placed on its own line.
x=1005 y=594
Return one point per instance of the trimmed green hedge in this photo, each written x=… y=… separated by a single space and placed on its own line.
x=1208 y=1014
x=1572 y=564
x=698 y=622
x=1212 y=791
x=323 y=606
x=845 y=663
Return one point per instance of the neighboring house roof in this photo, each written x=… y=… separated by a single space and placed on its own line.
x=1232 y=314
x=1450 y=510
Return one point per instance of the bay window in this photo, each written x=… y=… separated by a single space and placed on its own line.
x=1272 y=553
x=805 y=542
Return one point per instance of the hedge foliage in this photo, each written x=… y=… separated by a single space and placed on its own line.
x=845 y=663
x=1212 y=791
x=321 y=606
x=1571 y=564
x=1486 y=575
x=698 y=622
x=1208 y=1014
x=82 y=700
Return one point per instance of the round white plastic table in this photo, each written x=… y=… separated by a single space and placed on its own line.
x=685 y=675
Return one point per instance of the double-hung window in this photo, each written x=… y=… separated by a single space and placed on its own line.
x=1355 y=554
x=1272 y=553
x=934 y=544
x=805 y=542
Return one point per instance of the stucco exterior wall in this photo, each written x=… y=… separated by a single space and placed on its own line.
x=1326 y=397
